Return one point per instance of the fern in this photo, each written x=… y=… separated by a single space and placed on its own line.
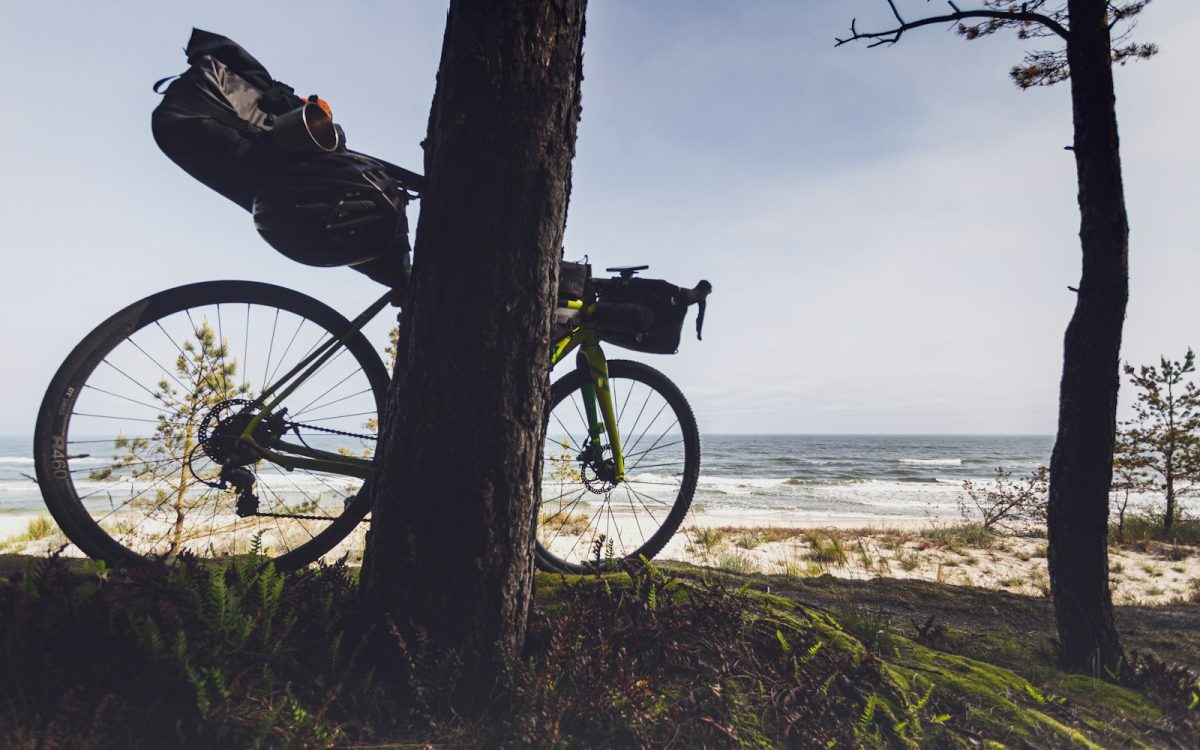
x=256 y=544
x=333 y=652
x=149 y=636
x=787 y=647
x=217 y=596
x=217 y=678
x=194 y=678
x=812 y=651
x=868 y=713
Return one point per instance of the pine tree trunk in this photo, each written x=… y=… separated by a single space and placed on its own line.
x=1169 y=517
x=450 y=553
x=1081 y=465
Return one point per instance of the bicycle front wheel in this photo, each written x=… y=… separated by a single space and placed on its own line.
x=584 y=519
x=139 y=420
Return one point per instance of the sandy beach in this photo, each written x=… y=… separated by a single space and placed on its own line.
x=933 y=549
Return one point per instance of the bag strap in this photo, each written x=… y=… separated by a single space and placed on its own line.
x=161 y=81
x=279 y=98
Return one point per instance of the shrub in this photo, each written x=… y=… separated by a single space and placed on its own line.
x=828 y=551
x=1005 y=503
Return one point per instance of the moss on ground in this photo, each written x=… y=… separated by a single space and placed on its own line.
x=231 y=652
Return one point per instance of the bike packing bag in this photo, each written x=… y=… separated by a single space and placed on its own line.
x=572 y=280
x=215 y=118
x=338 y=209
x=645 y=315
x=335 y=208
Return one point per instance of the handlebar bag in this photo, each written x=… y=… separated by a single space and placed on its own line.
x=572 y=280
x=656 y=327
x=215 y=118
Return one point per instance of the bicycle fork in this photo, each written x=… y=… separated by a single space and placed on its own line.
x=598 y=405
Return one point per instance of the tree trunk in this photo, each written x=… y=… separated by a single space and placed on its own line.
x=1081 y=465
x=449 y=559
x=1169 y=517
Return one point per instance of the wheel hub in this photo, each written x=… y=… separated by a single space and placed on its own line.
x=598 y=469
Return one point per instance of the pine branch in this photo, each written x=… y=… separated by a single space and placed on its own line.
x=892 y=36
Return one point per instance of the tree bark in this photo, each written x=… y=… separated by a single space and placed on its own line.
x=449 y=559
x=1169 y=517
x=1081 y=464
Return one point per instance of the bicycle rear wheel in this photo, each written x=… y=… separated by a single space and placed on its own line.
x=585 y=521
x=136 y=424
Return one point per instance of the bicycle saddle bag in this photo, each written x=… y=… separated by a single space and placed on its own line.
x=229 y=124
x=645 y=315
x=340 y=209
x=215 y=118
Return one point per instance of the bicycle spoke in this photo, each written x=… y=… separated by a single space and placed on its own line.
x=152 y=407
x=270 y=348
x=656 y=442
x=306 y=407
x=131 y=379
x=636 y=520
x=140 y=481
x=646 y=513
x=246 y=350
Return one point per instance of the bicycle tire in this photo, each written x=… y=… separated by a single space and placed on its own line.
x=577 y=542
x=129 y=530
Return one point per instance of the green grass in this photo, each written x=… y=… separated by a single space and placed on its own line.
x=794 y=567
x=560 y=523
x=749 y=540
x=761 y=534
x=705 y=541
x=826 y=548
x=909 y=560
x=736 y=562
x=1140 y=529
x=962 y=535
x=36 y=530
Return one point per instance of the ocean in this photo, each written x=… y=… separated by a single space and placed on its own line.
x=772 y=478
x=854 y=478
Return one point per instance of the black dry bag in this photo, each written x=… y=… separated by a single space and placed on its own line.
x=215 y=119
x=233 y=127
x=339 y=209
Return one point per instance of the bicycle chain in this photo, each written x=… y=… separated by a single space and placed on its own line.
x=300 y=517
x=294 y=425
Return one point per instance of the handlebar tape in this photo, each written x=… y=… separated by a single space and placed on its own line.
x=699 y=296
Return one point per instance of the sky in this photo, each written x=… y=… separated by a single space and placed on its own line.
x=890 y=232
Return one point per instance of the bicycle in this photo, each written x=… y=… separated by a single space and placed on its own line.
x=153 y=438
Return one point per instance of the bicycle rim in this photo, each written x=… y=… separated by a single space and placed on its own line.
x=126 y=450
x=586 y=522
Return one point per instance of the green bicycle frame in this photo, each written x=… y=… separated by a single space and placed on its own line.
x=597 y=398
x=301 y=456
x=596 y=393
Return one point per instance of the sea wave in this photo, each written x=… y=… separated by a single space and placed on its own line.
x=826 y=482
x=931 y=461
x=75 y=461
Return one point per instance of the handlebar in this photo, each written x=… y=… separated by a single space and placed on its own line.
x=699 y=296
